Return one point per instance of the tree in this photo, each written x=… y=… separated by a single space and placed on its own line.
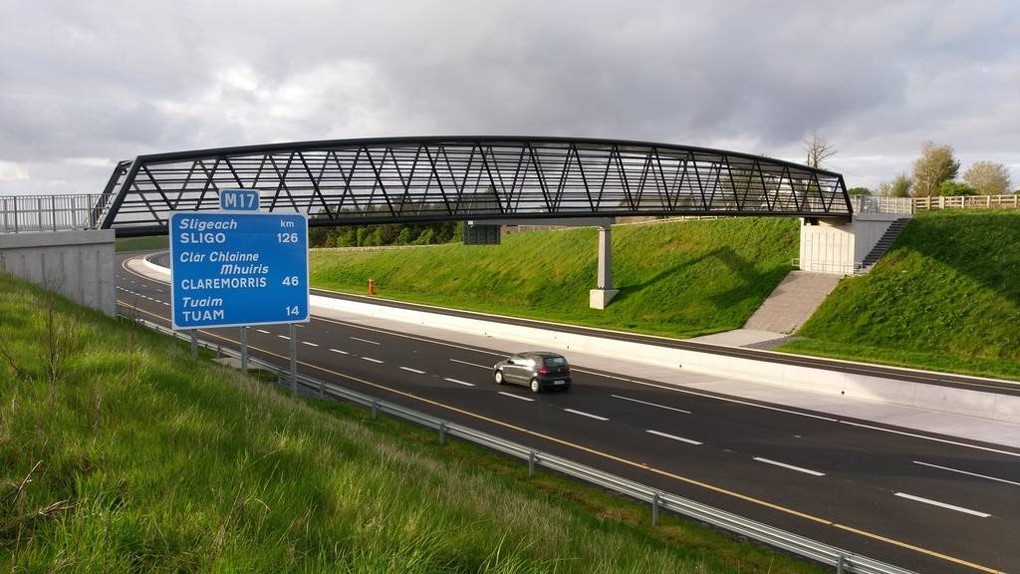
x=988 y=178
x=818 y=150
x=898 y=187
x=954 y=188
x=935 y=165
x=863 y=191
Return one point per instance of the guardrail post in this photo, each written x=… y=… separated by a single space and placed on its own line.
x=531 y=464
x=839 y=564
x=375 y=409
x=655 y=509
x=194 y=343
x=442 y=433
x=244 y=348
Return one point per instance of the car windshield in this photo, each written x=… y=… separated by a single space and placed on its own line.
x=555 y=361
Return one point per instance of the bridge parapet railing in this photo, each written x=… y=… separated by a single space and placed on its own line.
x=34 y=213
x=881 y=204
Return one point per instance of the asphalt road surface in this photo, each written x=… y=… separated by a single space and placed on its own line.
x=926 y=502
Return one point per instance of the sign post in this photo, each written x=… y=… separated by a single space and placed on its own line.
x=238 y=267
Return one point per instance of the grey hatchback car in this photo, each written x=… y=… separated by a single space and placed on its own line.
x=539 y=370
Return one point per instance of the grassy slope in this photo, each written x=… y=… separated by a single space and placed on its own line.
x=675 y=279
x=142 y=243
x=947 y=295
x=122 y=453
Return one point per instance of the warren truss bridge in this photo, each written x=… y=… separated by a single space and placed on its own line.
x=427 y=179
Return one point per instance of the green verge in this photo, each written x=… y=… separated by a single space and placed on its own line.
x=945 y=297
x=142 y=243
x=676 y=279
x=122 y=453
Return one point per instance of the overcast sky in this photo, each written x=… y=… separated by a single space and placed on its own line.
x=85 y=83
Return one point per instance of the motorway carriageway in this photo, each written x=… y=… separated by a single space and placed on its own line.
x=926 y=502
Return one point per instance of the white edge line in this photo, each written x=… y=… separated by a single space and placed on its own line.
x=263 y=331
x=931 y=438
x=530 y=400
x=584 y=414
x=466 y=384
x=651 y=404
x=371 y=360
x=309 y=344
x=339 y=351
x=946 y=468
x=673 y=437
x=284 y=337
x=412 y=370
x=471 y=364
x=789 y=466
x=943 y=505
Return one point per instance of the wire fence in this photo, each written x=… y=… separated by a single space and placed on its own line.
x=843 y=561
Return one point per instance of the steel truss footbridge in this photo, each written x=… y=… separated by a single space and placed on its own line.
x=424 y=179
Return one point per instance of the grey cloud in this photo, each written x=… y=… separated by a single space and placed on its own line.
x=113 y=79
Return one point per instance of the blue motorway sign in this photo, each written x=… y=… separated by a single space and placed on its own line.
x=235 y=268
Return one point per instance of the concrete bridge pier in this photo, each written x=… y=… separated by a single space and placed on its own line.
x=603 y=293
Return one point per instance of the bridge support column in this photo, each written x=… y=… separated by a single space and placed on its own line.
x=603 y=293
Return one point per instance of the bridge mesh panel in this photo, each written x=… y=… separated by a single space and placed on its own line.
x=431 y=179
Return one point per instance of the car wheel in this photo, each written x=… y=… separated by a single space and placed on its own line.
x=536 y=387
x=499 y=377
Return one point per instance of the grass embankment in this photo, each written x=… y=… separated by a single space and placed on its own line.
x=121 y=453
x=945 y=297
x=678 y=279
x=142 y=243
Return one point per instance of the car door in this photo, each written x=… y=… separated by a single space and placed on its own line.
x=520 y=371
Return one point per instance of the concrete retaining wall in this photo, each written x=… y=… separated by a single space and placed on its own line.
x=77 y=264
x=836 y=247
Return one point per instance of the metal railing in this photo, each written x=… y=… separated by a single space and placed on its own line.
x=31 y=213
x=843 y=561
x=881 y=204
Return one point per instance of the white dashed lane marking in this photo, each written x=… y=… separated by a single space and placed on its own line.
x=458 y=361
x=943 y=505
x=673 y=437
x=584 y=414
x=651 y=404
x=789 y=466
x=459 y=382
x=518 y=397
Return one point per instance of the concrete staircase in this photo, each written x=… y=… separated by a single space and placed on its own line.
x=792 y=302
x=885 y=242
